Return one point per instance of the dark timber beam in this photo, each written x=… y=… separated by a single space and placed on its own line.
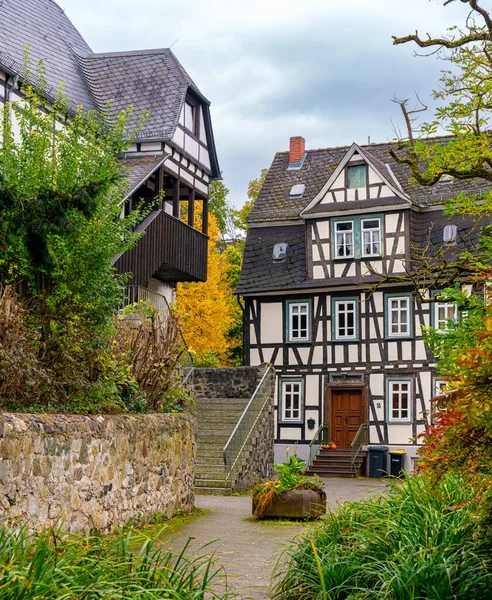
x=176 y=186
x=205 y=216
x=191 y=208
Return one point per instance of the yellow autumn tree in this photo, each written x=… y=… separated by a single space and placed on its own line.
x=206 y=309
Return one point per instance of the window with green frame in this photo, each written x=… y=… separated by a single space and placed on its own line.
x=298 y=315
x=443 y=313
x=345 y=319
x=399 y=399
x=291 y=400
x=358 y=237
x=398 y=315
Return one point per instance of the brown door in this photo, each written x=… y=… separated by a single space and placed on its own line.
x=346 y=416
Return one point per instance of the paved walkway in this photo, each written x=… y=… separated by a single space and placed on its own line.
x=249 y=549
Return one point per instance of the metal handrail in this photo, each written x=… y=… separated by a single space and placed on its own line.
x=356 y=445
x=240 y=435
x=316 y=443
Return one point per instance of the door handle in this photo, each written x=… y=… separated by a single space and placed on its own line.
x=346 y=420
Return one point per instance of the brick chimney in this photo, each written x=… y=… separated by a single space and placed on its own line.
x=297 y=148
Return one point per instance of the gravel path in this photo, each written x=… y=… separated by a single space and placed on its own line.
x=249 y=549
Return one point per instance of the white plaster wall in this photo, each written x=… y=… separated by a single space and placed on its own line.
x=271 y=323
x=399 y=433
x=254 y=357
x=178 y=137
x=311 y=390
x=323 y=229
x=150 y=147
x=293 y=433
x=390 y=223
x=191 y=146
x=374 y=176
x=162 y=288
x=204 y=157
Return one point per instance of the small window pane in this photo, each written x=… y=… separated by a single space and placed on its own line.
x=356 y=176
x=298 y=325
x=344 y=239
x=291 y=400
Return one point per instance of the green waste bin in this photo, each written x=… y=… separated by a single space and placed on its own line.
x=377 y=461
x=397 y=458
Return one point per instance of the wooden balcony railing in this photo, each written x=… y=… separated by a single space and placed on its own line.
x=170 y=250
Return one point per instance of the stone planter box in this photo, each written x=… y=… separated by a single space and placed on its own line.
x=298 y=504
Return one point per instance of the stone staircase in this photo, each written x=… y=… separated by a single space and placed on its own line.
x=216 y=418
x=221 y=396
x=337 y=463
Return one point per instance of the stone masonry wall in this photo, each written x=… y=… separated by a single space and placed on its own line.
x=257 y=462
x=235 y=382
x=95 y=471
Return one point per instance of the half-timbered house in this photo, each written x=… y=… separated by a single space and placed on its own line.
x=327 y=226
x=174 y=152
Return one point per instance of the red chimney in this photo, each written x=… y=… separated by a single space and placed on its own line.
x=297 y=147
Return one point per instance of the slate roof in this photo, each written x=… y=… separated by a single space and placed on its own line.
x=260 y=272
x=151 y=80
x=138 y=170
x=50 y=35
x=274 y=203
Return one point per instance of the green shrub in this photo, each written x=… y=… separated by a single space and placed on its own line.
x=418 y=542
x=53 y=565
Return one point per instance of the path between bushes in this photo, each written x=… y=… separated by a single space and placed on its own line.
x=249 y=549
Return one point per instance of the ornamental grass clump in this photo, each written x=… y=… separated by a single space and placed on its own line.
x=51 y=565
x=418 y=542
x=291 y=478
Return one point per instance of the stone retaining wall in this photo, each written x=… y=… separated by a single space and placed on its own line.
x=95 y=471
x=233 y=382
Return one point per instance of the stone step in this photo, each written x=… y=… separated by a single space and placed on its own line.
x=214 y=483
x=209 y=471
x=211 y=491
x=204 y=401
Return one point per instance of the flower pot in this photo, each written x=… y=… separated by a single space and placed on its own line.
x=297 y=504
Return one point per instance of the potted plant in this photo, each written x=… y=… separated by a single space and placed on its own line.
x=293 y=495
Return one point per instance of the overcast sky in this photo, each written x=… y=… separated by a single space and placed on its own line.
x=322 y=69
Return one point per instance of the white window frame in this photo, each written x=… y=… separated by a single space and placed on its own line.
x=389 y=316
x=337 y=305
x=395 y=391
x=344 y=234
x=291 y=400
x=291 y=314
x=440 y=325
x=372 y=241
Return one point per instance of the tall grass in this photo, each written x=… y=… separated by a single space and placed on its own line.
x=418 y=542
x=51 y=565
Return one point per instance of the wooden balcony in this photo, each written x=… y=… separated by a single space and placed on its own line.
x=170 y=250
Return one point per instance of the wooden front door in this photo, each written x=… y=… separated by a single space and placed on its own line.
x=346 y=416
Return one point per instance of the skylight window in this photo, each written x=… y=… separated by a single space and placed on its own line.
x=297 y=190
x=446 y=179
x=279 y=252
x=449 y=234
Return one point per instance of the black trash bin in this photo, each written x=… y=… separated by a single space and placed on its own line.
x=397 y=458
x=377 y=461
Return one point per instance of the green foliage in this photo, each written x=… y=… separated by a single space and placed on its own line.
x=290 y=477
x=254 y=188
x=54 y=565
x=417 y=542
x=61 y=190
